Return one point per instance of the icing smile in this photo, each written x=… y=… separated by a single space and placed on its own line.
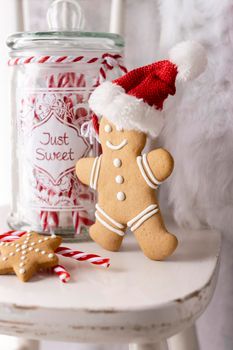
x=116 y=147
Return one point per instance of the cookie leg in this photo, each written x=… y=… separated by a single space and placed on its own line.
x=105 y=237
x=155 y=241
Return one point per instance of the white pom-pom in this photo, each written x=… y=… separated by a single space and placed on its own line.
x=190 y=59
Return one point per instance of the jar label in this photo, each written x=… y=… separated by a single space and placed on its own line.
x=50 y=145
x=54 y=146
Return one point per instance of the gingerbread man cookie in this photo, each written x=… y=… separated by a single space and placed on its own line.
x=126 y=180
x=28 y=254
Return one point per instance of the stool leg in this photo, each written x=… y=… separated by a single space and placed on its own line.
x=27 y=344
x=152 y=346
x=186 y=340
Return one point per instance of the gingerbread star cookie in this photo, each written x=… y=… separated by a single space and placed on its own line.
x=28 y=254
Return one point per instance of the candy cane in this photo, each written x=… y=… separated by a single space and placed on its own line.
x=81 y=218
x=81 y=256
x=11 y=236
x=49 y=220
x=62 y=273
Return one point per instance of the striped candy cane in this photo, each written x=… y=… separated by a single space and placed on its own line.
x=49 y=220
x=62 y=273
x=11 y=236
x=81 y=256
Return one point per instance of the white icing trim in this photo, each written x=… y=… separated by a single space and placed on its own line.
x=144 y=175
x=97 y=172
x=92 y=172
x=148 y=169
x=137 y=217
x=117 y=224
x=109 y=227
x=116 y=147
x=143 y=219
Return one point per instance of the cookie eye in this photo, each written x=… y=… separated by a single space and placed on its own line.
x=108 y=128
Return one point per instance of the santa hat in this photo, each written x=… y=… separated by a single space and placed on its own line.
x=135 y=100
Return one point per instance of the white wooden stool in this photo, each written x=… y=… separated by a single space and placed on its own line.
x=135 y=301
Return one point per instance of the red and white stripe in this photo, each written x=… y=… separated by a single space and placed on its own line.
x=62 y=273
x=11 y=236
x=49 y=220
x=107 y=59
x=81 y=219
x=108 y=63
x=81 y=256
x=50 y=59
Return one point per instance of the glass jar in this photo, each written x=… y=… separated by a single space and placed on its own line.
x=52 y=76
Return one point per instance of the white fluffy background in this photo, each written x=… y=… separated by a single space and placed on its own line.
x=199 y=126
x=199 y=133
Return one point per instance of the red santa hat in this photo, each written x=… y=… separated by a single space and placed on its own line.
x=135 y=100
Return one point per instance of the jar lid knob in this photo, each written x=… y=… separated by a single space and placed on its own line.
x=65 y=15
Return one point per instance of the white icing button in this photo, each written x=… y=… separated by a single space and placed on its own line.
x=108 y=128
x=4 y=258
x=43 y=252
x=18 y=250
x=46 y=238
x=121 y=196
x=23 y=257
x=33 y=243
x=12 y=244
x=24 y=252
x=51 y=255
x=117 y=162
x=119 y=179
x=24 y=246
x=11 y=254
x=53 y=236
x=40 y=241
x=21 y=264
x=30 y=249
x=37 y=250
x=17 y=245
x=1 y=243
x=22 y=271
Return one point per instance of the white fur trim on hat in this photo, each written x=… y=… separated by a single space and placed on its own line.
x=125 y=111
x=190 y=59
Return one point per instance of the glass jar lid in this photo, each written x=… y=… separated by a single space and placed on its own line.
x=68 y=40
x=66 y=32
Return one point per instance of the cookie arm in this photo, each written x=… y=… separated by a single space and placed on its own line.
x=161 y=163
x=84 y=168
